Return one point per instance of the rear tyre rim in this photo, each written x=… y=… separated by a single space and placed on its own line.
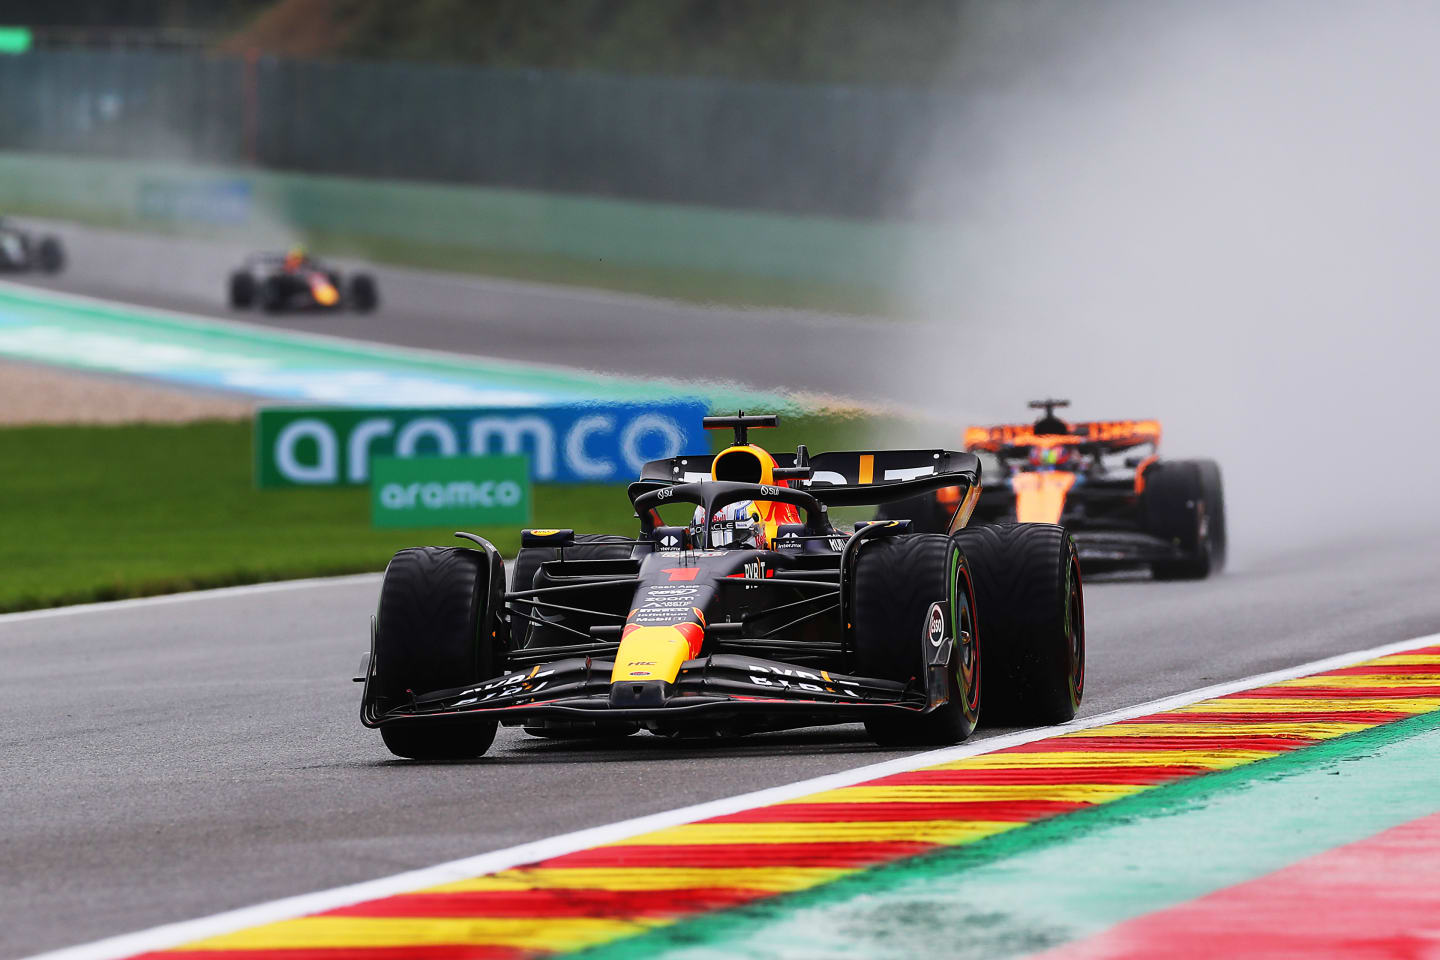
x=1075 y=629
x=967 y=655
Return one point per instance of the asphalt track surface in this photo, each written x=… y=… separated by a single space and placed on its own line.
x=588 y=329
x=169 y=759
x=173 y=758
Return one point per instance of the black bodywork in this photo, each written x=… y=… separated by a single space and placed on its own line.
x=267 y=281
x=22 y=251
x=769 y=628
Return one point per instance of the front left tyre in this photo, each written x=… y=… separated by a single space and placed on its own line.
x=913 y=605
x=435 y=630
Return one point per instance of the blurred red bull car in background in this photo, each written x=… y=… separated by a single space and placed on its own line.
x=297 y=281
x=1105 y=482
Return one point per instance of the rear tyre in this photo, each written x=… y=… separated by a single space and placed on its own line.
x=1184 y=505
x=50 y=255
x=1212 y=488
x=587 y=546
x=364 y=296
x=242 y=290
x=434 y=631
x=899 y=583
x=1029 y=598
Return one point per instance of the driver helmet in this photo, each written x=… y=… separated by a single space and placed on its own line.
x=1050 y=458
x=737 y=524
x=294 y=257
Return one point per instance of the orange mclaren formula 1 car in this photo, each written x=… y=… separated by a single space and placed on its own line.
x=759 y=613
x=1102 y=480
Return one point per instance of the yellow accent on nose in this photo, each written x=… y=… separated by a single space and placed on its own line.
x=655 y=653
x=326 y=294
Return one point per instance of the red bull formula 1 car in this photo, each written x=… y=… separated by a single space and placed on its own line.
x=1105 y=482
x=758 y=614
x=295 y=281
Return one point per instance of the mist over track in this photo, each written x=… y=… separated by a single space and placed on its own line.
x=565 y=326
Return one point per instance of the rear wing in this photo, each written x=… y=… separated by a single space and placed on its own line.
x=1105 y=435
x=848 y=477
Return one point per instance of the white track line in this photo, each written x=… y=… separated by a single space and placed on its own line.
x=174 y=934
x=165 y=599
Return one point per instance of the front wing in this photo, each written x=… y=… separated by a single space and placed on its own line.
x=1099 y=548
x=720 y=687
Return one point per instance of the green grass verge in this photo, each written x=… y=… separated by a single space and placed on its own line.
x=103 y=513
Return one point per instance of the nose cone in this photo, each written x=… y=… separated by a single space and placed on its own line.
x=655 y=653
x=325 y=293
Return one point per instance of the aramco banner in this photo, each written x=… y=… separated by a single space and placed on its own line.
x=589 y=443
x=449 y=491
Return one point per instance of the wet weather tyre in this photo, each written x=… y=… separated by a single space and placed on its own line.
x=1030 y=605
x=587 y=546
x=433 y=632
x=1184 y=505
x=1212 y=488
x=50 y=255
x=898 y=581
x=242 y=290
x=364 y=296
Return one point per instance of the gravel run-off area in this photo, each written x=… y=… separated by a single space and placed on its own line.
x=31 y=394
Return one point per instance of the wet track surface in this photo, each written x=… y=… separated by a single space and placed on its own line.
x=175 y=759
x=596 y=330
x=169 y=760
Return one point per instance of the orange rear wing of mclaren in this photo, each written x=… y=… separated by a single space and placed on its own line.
x=1112 y=435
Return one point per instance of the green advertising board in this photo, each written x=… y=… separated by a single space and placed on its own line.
x=449 y=491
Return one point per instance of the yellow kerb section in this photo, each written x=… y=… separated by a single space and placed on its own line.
x=920 y=831
x=1260 y=705
x=966 y=792
x=338 y=933
x=1219 y=759
x=1366 y=680
x=768 y=879
x=1319 y=730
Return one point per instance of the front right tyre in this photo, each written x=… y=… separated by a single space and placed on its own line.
x=901 y=585
x=435 y=630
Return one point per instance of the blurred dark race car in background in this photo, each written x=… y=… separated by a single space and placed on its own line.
x=1105 y=482
x=297 y=281
x=21 y=250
